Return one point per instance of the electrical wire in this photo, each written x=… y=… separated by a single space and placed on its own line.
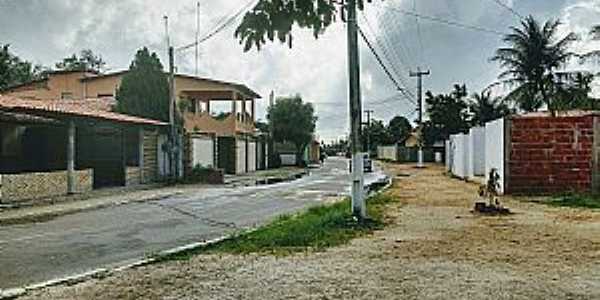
x=220 y=27
x=445 y=21
x=510 y=9
x=385 y=50
x=418 y=29
x=383 y=66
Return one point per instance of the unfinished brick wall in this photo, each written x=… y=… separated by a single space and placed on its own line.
x=549 y=155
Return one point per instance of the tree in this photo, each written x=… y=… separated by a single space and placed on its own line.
x=86 y=61
x=485 y=108
x=376 y=134
x=270 y=19
x=447 y=114
x=530 y=59
x=14 y=70
x=398 y=129
x=293 y=121
x=144 y=90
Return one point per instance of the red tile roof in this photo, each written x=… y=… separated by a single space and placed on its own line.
x=90 y=108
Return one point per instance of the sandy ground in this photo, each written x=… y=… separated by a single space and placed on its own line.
x=434 y=248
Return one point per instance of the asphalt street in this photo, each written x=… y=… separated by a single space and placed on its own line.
x=118 y=235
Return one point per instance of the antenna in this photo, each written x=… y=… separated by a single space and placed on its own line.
x=167 y=39
x=197 y=34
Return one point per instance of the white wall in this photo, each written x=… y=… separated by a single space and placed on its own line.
x=494 y=149
x=461 y=156
x=477 y=138
x=288 y=159
x=387 y=152
x=240 y=157
x=448 y=145
x=203 y=151
x=251 y=156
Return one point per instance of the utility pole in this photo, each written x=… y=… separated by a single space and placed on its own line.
x=174 y=150
x=368 y=125
x=358 y=201
x=419 y=74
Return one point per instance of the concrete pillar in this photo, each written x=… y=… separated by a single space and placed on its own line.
x=244 y=110
x=71 y=158
x=253 y=110
x=141 y=153
x=208 y=106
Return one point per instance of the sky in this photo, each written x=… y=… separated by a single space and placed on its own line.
x=45 y=31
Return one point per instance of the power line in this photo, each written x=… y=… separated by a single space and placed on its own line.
x=382 y=45
x=220 y=27
x=447 y=22
x=510 y=9
x=418 y=26
x=380 y=62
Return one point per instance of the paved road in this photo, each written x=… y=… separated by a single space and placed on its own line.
x=114 y=236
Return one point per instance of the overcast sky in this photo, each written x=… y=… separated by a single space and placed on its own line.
x=44 y=31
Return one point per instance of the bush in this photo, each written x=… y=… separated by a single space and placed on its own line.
x=201 y=174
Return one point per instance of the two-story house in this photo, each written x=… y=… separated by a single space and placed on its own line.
x=224 y=139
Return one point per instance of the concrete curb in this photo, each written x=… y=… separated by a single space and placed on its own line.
x=34 y=218
x=103 y=272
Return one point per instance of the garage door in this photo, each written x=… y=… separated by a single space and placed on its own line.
x=240 y=157
x=203 y=151
x=251 y=156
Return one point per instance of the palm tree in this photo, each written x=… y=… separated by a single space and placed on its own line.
x=486 y=108
x=532 y=55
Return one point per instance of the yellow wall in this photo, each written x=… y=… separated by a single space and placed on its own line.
x=58 y=85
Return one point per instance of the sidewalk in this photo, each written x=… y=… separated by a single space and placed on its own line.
x=64 y=205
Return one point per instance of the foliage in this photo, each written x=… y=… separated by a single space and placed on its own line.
x=86 y=61
x=318 y=228
x=398 y=129
x=202 y=174
x=576 y=200
x=530 y=59
x=573 y=92
x=448 y=114
x=144 y=90
x=484 y=108
x=374 y=133
x=271 y=19
x=293 y=121
x=14 y=70
x=262 y=126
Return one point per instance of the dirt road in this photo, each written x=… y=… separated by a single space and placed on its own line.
x=434 y=248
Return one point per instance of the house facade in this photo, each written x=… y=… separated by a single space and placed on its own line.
x=225 y=140
x=56 y=147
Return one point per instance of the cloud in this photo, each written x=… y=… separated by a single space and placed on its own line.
x=46 y=31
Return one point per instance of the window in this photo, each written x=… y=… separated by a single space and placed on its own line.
x=66 y=96
x=105 y=95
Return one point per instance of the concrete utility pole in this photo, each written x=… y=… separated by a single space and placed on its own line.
x=174 y=151
x=419 y=74
x=358 y=201
x=368 y=124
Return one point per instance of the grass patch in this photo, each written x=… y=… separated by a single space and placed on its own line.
x=317 y=228
x=576 y=200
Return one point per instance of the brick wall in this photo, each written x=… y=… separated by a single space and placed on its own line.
x=549 y=155
x=27 y=186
